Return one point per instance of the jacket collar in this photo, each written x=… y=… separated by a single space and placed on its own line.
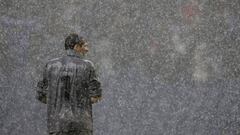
x=73 y=53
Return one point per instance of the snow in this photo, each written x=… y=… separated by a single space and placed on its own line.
x=166 y=66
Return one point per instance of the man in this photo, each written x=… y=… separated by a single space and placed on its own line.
x=69 y=88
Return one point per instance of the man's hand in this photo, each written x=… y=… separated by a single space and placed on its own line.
x=41 y=93
x=95 y=99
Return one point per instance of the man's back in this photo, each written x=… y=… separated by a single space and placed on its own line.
x=71 y=82
x=69 y=100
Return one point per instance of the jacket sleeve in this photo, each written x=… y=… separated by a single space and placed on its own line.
x=94 y=86
x=42 y=85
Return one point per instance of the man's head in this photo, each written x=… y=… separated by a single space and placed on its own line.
x=74 y=42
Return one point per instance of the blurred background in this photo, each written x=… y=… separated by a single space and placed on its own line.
x=167 y=67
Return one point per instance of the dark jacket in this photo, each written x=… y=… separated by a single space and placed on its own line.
x=68 y=84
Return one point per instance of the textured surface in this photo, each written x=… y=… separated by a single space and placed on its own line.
x=167 y=67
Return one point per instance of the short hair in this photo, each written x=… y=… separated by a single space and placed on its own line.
x=73 y=39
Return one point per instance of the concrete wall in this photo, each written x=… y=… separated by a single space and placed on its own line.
x=168 y=67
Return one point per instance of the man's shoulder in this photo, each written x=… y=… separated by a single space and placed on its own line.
x=54 y=61
x=60 y=60
x=89 y=62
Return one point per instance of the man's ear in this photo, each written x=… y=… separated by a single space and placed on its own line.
x=75 y=47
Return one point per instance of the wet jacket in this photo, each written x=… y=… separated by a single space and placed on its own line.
x=68 y=84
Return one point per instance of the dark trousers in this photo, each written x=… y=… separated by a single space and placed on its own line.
x=73 y=133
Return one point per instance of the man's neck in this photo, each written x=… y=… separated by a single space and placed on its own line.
x=71 y=52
